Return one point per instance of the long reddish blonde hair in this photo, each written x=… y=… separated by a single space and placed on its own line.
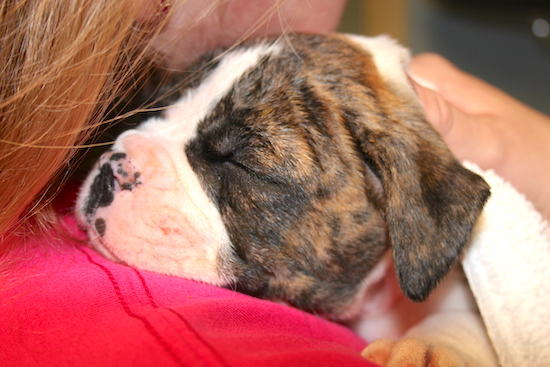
x=62 y=63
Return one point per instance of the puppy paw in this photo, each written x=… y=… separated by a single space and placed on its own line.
x=412 y=352
x=379 y=351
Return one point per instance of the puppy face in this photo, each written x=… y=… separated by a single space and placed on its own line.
x=286 y=173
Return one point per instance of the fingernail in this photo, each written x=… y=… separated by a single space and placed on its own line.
x=422 y=82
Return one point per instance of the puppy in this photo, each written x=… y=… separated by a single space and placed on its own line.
x=286 y=171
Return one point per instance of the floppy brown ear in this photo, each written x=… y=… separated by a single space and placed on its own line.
x=430 y=201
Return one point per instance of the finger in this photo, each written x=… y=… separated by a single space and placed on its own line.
x=469 y=137
x=465 y=91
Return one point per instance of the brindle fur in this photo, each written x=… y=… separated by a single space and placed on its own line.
x=316 y=164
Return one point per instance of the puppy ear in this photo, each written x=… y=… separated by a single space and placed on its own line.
x=430 y=201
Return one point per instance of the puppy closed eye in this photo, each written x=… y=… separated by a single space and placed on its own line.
x=223 y=155
x=218 y=151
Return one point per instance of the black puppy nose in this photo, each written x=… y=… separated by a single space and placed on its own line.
x=101 y=190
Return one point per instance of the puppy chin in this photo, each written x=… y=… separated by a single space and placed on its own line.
x=377 y=293
x=104 y=249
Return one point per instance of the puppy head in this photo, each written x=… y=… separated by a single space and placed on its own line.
x=286 y=173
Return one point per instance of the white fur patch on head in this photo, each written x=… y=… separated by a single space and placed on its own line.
x=183 y=117
x=164 y=221
x=391 y=59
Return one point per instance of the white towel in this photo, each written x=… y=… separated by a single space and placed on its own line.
x=508 y=268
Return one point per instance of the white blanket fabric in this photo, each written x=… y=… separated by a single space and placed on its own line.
x=508 y=268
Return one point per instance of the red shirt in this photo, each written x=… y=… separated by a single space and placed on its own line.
x=68 y=306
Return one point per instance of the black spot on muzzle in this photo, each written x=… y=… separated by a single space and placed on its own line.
x=101 y=191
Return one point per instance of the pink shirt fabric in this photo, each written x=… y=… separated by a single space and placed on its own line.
x=68 y=306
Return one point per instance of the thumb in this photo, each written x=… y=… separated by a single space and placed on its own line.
x=470 y=137
x=482 y=124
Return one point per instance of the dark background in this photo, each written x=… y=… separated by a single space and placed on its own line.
x=493 y=39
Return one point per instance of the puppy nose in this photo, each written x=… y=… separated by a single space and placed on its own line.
x=101 y=191
x=124 y=172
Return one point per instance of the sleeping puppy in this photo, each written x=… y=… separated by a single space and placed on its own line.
x=286 y=171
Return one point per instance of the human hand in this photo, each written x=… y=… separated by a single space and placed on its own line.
x=482 y=124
